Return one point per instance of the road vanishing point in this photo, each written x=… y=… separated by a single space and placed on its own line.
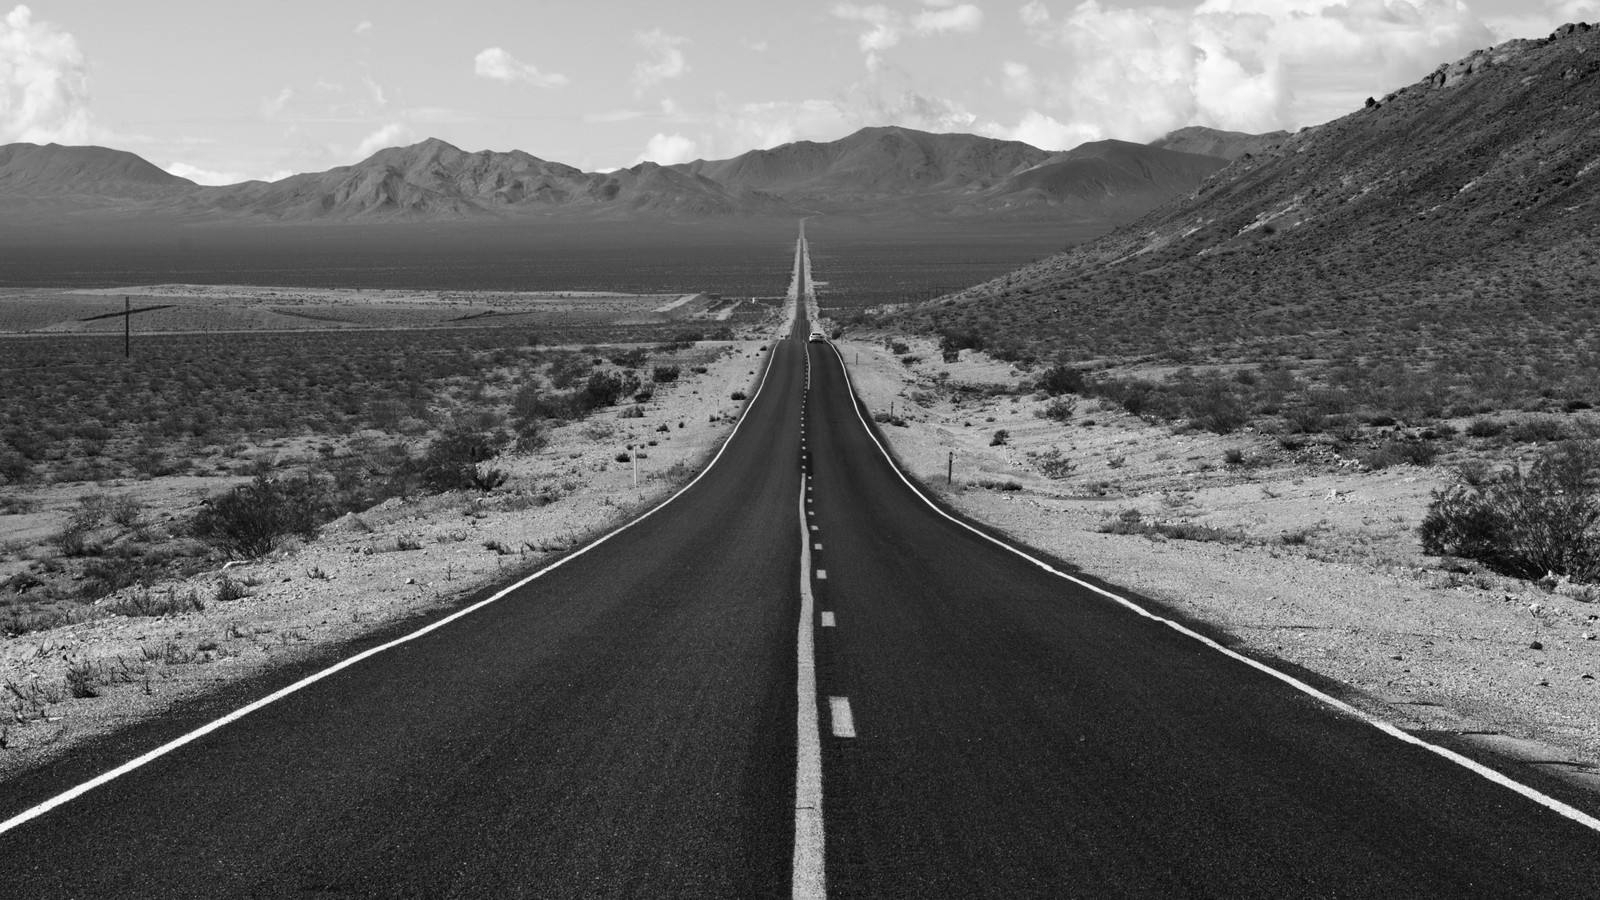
x=799 y=677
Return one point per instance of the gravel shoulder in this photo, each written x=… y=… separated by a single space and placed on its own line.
x=1315 y=562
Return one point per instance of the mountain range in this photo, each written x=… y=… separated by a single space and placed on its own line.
x=886 y=170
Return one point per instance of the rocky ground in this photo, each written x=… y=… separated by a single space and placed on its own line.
x=1300 y=556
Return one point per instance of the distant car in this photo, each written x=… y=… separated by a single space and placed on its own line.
x=818 y=336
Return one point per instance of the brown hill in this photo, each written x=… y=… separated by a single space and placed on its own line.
x=1114 y=179
x=435 y=180
x=31 y=170
x=1229 y=145
x=1433 y=251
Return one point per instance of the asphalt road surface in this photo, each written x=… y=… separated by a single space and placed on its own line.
x=648 y=720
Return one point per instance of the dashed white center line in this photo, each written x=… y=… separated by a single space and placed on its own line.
x=827 y=620
x=816 y=546
x=844 y=724
x=822 y=574
x=813 y=528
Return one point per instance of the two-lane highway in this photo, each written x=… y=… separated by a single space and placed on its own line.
x=797 y=678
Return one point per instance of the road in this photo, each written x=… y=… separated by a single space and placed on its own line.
x=634 y=723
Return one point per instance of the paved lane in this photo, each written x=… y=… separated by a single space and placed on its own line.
x=1019 y=736
x=621 y=727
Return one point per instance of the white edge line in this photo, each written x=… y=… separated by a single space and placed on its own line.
x=1494 y=775
x=137 y=762
x=809 y=880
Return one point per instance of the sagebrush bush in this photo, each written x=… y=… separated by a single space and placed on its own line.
x=1525 y=524
x=1058 y=410
x=249 y=520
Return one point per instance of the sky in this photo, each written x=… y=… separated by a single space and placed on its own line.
x=222 y=92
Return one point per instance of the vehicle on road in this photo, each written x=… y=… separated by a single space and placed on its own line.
x=817 y=336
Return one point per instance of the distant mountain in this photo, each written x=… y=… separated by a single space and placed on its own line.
x=1117 y=179
x=876 y=171
x=1228 y=145
x=874 y=162
x=34 y=170
x=1456 y=213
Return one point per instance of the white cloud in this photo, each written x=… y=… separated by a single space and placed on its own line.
x=664 y=61
x=965 y=18
x=1247 y=65
x=44 y=83
x=1539 y=20
x=1019 y=80
x=271 y=106
x=754 y=46
x=363 y=27
x=389 y=135
x=207 y=176
x=498 y=65
x=374 y=90
x=888 y=27
x=668 y=150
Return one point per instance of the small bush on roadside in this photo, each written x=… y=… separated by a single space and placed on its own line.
x=1525 y=524
x=1484 y=427
x=665 y=374
x=250 y=519
x=1000 y=437
x=1059 y=409
x=1395 y=452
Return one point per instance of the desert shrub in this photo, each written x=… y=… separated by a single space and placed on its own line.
x=630 y=359
x=1218 y=410
x=954 y=340
x=1525 y=524
x=1058 y=410
x=899 y=348
x=1536 y=430
x=568 y=369
x=452 y=462
x=250 y=519
x=1053 y=464
x=910 y=359
x=606 y=388
x=1060 y=380
x=1233 y=456
x=1000 y=437
x=888 y=419
x=145 y=604
x=1304 y=420
x=737 y=395
x=664 y=374
x=1484 y=427
x=1395 y=452
x=14 y=467
x=229 y=590
x=632 y=412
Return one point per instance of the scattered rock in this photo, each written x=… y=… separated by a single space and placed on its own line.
x=1535 y=646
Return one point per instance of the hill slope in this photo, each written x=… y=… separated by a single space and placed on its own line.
x=1434 y=250
x=1228 y=145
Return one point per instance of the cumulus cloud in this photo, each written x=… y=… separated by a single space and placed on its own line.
x=207 y=176
x=1246 y=65
x=272 y=106
x=496 y=64
x=44 y=83
x=888 y=26
x=668 y=150
x=663 y=61
x=389 y=135
x=965 y=18
x=363 y=27
x=1538 y=20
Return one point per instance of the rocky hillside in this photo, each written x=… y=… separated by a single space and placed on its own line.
x=1441 y=240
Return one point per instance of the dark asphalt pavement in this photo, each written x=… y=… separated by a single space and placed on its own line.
x=625 y=726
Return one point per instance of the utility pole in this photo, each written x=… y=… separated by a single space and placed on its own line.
x=950 y=470
x=127 y=328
